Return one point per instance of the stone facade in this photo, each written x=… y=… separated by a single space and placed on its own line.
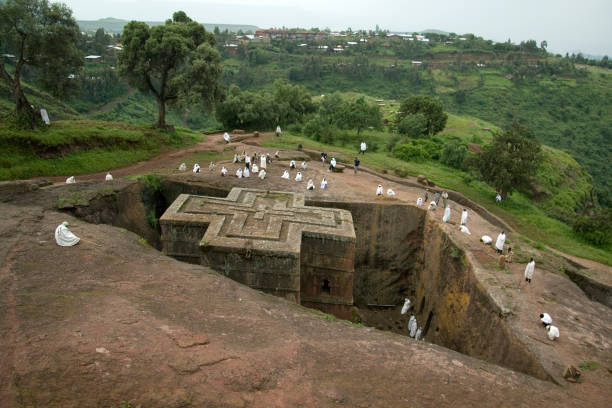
x=270 y=241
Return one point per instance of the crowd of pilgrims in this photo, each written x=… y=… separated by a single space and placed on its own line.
x=248 y=164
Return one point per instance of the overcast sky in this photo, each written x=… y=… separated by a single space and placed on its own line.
x=567 y=25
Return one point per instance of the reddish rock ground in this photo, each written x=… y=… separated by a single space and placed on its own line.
x=111 y=320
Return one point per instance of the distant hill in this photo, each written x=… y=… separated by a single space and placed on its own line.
x=115 y=25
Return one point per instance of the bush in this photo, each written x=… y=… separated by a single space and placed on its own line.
x=454 y=153
x=596 y=229
x=430 y=146
x=413 y=126
x=409 y=152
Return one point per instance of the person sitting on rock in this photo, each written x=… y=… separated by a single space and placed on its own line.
x=310 y=185
x=419 y=201
x=303 y=165
x=262 y=174
x=196 y=168
x=246 y=172
x=553 y=332
x=65 y=237
x=545 y=319
x=70 y=180
x=323 y=184
x=292 y=164
x=486 y=239
x=447 y=214
x=379 y=190
x=432 y=206
x=390 y=192
x=465 y=229
x=298 y=176
x=286 y=175
x=223 y=171
x=183 y=167
x=255 y=168
x=226 y=137
x=239 y=173
x=109 y=177
x=332 y=164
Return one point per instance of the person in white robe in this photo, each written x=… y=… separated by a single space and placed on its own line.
x=529 y=270
x=278 y=130
x=223 y=171
x=498 y=198
x=412 y=326
x=211 y=166
x=70 y=180
x=246 y=172
x=447 y=212
x=292 y=164
x=379 y=190
x=65 y=237
x=499 y=243
x=486 y=239
x=255 y=168
x=432 y=206
x=418 y=333
x=464 y=215
x=196 y=168
x=247 y=161
x=553 y=332
x=286 y=175
x=406 y=307
x=183 y=167
x=332 y=164
x=262 y=174
x=310 y=185
x=262 y=162
x=235 y=159
x=109 y=177
x=277 y=154
x=465 y=230
x=226 y=137
x=444 y=199
x=239 y=173
x=298 y=176
x=303 y=165
x=323 y=184
x=390 y=192
x=419 y=201
x=545 y=319
x=362 y=148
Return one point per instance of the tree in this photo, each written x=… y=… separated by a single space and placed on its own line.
x=413 y=125
x=511 y=161
x=428 y=106
x=360 y=114
x=176 y=62
x=42 y=36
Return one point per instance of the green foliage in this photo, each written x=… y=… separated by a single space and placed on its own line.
x=510 y=161
x=596 y=229
x=589 y=365
x=43 y=37
x=176 y=62
x=151 y=181
x=414 y=125
x=77 y=147
x=454 y=153
x=359 y=114
x=430 y=107
x=411 y=152
x=244 y=109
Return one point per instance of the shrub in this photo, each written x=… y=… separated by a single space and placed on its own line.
x=413 y=125
x=409 y=152
x=454 y=153
x=596 y=229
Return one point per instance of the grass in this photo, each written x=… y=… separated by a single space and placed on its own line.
x=589 y=365
x=517 y=210
x=79 y=147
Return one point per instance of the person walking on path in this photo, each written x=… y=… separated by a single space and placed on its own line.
x=356 y=164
